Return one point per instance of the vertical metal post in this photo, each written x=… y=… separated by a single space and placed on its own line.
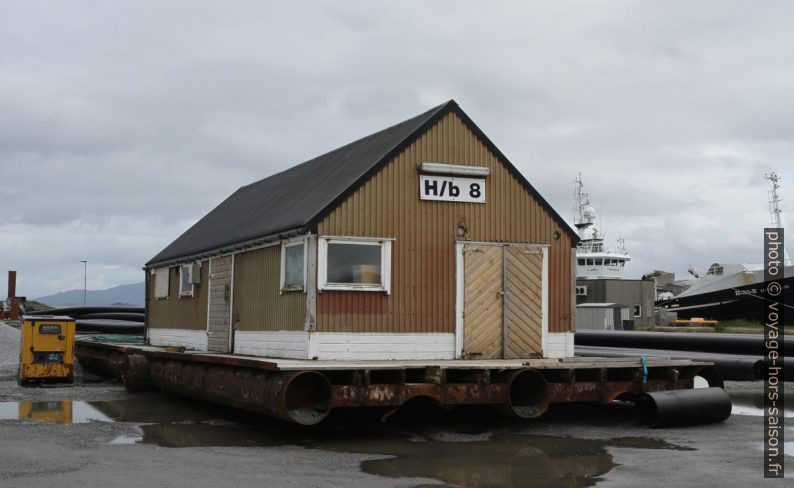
x=85 y=280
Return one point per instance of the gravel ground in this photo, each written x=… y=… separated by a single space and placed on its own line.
x=575 y=446
x=9 y=350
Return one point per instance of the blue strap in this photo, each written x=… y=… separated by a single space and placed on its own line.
x=644 y=368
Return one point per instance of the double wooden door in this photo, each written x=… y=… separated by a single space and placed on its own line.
x=502 y=301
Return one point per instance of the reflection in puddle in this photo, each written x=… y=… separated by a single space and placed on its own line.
x=462 y=454
x=52 y=412
x=504 y=460
x=752 y=404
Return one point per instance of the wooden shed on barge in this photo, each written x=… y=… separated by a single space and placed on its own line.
x=421 y=241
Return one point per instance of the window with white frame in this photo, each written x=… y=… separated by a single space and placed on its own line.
x=362 y=264
x=186 y=280
x=161 y=283
x=293 y=265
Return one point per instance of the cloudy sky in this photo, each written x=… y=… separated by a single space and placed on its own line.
x=122 y=123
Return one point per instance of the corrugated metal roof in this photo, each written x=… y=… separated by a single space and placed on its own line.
x=295 y=199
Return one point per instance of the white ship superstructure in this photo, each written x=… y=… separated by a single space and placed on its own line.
x=594 y=260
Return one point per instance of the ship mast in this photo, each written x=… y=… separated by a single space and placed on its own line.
x=774 y=206
x=584 y=212
x=774 y=199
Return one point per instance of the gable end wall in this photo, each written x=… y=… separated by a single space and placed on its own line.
x=423 y=256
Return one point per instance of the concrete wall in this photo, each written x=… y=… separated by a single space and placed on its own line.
x=624 y=292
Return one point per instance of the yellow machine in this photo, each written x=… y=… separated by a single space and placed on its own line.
x=47 y=348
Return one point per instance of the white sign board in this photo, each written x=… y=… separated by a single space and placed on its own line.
x=451 y=189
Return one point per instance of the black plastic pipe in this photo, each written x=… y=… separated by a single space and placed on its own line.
x=734 y=367
x=128 y=316
x=746 y=344
x=77 y=312
x=674 y=408
x=109 y=326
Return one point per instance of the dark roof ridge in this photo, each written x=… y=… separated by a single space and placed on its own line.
x=275 y=204
x=297 y=198
x=340 y=148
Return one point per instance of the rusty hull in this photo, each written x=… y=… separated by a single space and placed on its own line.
x=306 y=396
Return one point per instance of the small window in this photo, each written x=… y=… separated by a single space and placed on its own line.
x=50 y=329
x=581 y=262
x=186 y=280
x=293 y=265
x=354 y=264
x=638 y=310
x=161 y=283
x=590 y=261
x=598 y=262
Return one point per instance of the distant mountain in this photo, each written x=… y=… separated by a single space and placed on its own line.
x=132 y=294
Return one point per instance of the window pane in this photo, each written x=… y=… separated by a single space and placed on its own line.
x=598 y=262
x=185 y=275
x=161 y=283
x=354 y=263
x=293 y=265
x=581 y=262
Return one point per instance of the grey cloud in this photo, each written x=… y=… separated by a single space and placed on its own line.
x=125 y=122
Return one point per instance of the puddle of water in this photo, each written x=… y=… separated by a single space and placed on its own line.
x=752 y=404
x=476 y=454
x=127 y=439
x=52 y=412
x=503 y=460
x=143 y=410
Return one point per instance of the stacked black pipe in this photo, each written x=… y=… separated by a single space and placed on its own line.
x=739 y=357
x=104 y=320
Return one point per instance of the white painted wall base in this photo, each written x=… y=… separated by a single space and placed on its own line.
x=559 y=345
x=189 y=339
x=372 y=345
x=340 y=345
x=289 y=344
x=343 y=345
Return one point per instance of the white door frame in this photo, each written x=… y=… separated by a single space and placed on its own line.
x=459 y=290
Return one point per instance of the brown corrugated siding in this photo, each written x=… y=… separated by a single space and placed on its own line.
x=423 y=255
x=179 y=312
x=257 y=304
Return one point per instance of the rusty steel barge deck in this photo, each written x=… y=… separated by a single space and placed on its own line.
x=305 y=391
